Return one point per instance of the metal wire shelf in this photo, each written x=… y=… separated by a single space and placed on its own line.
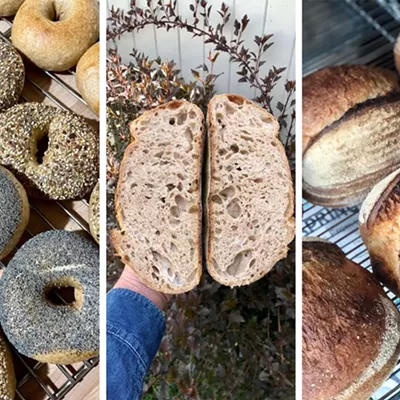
x=31 y=375
x=361 y=32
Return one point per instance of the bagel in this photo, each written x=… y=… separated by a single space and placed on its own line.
x=12 y=76
x=36 y=322
x=7 y=376
x=88 y=77
x=69 y=166
x=9 y=7
x=14 y=212
x=54 y=34
x=94 y=213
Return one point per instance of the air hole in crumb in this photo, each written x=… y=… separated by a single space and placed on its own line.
x=172 y=121
x=175 y=212
x=159 y=154
x=235 y=99
x=192 y=115
x=193 y=209
x=180 y=176
x=163 y=200
x=170 y=186
x=274 y=144
x=218 y=231
x=155 y=269
x=240 y=263
x=180 y=186
x=182 y=118
x=234 y=228
x=230 y=109
x=174 y=247
x=158 y=233
x=234 y=208
x=189 y=136
x=181 y=202
x=252 y=262
x=227 y=193
x=216 y=199
x=235 y=148
x=258 y=180
x=252 y=238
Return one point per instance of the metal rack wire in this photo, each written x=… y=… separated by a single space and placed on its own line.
x=32 y=374
x=360 y=32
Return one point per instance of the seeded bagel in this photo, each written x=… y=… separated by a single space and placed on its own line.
x=37 y=324
x=9 y=7
x=14 y=212
x=7 y=376
x=380 y=230
x=69 y=166
x=54 y=34
x=12 y=76
x=94 y=213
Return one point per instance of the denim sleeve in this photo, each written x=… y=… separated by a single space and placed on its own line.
x=135 y=327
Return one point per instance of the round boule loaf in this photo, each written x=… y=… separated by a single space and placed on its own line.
x=380 y=230
x=351 y=329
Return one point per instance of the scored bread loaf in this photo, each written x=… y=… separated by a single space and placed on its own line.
x=380 y=230
x=351 y=329
x=158 y=198
x=250 y=199
x=351 y=133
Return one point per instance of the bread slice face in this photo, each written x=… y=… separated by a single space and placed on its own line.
x=351 y=329
x=158 y=198
x=380 y=230
x=250 y=195
x=349 y=157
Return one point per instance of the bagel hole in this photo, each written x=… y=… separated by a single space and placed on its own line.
x=54 y=15
x=42 y=146
x=66 y=292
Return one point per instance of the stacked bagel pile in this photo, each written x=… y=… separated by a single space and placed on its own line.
x=56 y=36
x=351 y=155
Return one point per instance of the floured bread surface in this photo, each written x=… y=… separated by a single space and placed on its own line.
x=158 y=198
x=250 y=202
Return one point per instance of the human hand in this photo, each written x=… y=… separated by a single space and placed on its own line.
x=129 y=280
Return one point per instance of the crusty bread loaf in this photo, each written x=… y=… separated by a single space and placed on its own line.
x=250 y=200
x=9 y=7
x=158 y=198
x=396 y=51
x=351 y=330
x=330 y=92
x=350 y=156
x=380 y=230
x=7 y=376
x=88 y=77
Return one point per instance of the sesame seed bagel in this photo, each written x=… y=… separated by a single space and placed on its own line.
x=94 y=213
x=69 y=166
x=36 y=325
x=9 y=8
x=54 y=34
x=7 y=376
x=14 y=211
x=12 y=76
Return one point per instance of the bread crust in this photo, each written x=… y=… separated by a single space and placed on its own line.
x=116 y=235
x=88 y=77
x=55 y=45
x=8 y=381
x=9 y=8
x=330 y=92
x=210 y=212
x=351 y=330
x=350 y=156
x=380 y=230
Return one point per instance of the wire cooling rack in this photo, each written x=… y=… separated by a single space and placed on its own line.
x=34 y=380
x=334 y=33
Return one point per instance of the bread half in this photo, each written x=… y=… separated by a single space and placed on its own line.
x=351 y=329
x=250 y=200
x=380 y=230
x=158 y=198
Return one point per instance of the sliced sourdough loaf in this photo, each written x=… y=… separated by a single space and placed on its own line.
x=250 y=195
x=380 y=230
x=158 y=198
x=351 y=329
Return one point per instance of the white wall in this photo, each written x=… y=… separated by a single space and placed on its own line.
x=266 y=16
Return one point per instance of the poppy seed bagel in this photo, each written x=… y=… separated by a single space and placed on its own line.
x=14 y=212
x=68 y=169
x=12 y=75
x=7 y=375
x=36 y=324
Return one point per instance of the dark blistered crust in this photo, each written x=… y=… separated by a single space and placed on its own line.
x=386 y=204
x=344 y=321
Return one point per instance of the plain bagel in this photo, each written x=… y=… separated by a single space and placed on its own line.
x=54 y=34
x=88 y=77
x=35 y=321
x=14 y=212
x=12 y=75
x=9 y=7
x=7 y=375
x=68 y=168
